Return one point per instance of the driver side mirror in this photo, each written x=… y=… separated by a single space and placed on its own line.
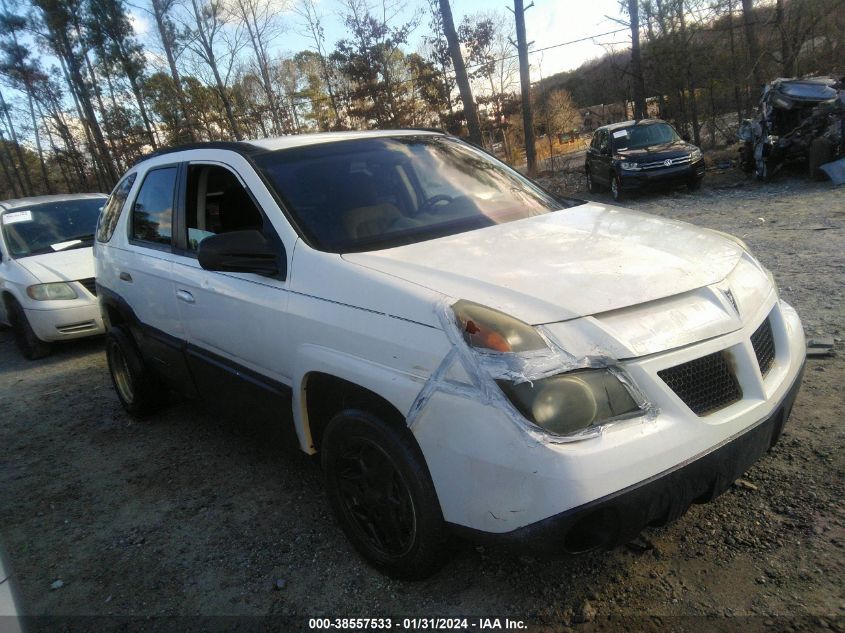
x=241 y=252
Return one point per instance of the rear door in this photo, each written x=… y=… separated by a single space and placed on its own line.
x=143 y=266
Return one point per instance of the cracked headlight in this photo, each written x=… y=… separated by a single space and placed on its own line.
x=486 y=328
x=572 y=403
x=629 y=166
x=50 y=292
x=695 y=155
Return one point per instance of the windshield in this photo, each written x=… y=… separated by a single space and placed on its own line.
x=376 y=193
x=50 y=227
x=640 y=136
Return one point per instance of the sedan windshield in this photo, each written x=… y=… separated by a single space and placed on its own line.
x=640 y=136
x=376 y=193
x=50 y=227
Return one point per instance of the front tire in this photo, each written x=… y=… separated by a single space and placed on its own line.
x=616 y=187
x=694 y=184
x=819 y=153
x=30 y=346
x=591 y=185
x=381 y=493
x=138 y=388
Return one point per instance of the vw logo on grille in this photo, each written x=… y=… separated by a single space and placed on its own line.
x=667 y=162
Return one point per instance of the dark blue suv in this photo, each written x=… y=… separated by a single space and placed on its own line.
x=633 y=155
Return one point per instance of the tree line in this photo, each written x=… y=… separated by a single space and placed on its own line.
x=82 y=98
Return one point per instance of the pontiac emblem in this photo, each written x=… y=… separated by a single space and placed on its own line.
x=667 y=162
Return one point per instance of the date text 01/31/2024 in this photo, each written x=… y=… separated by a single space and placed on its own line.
x=416 y=624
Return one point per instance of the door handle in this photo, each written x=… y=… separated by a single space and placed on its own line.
x=185 y=296
x=126 y=277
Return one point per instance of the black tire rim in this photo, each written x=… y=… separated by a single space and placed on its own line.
x=589 y=183
x=614 y=187
x=121 y=374
x=375 y=498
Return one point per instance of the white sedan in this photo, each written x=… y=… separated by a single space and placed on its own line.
x=47 y=270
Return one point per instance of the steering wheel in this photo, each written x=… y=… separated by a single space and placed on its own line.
x=433 y=200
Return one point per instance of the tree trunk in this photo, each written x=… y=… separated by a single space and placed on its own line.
x=167 y=44
x=753 y=48
x=461 y=78
x=640 y=111
x=525 y=84
x=786 y=54
x=37 y=138
x=26 y=183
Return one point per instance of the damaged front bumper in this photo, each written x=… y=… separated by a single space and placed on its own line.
x=493 y=477
x=617 y=518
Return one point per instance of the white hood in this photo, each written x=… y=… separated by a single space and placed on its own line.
x=575 y=262
x=77 y=263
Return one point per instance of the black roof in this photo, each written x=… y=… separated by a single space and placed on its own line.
x=244 y=148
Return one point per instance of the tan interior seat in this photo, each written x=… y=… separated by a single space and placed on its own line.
x=372 y=220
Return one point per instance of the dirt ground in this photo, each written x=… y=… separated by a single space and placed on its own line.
x=190 y=515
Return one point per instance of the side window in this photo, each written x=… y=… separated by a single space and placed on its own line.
x=111 y=210
x=216 y=202
x=595 y=143
x=152 y=213
x=603 y=142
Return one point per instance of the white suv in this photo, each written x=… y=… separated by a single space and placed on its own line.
x=467 y=353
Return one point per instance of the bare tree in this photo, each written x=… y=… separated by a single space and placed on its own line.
x=261 y=21
x=206 y=32
x=470 y=111
x=312 y=23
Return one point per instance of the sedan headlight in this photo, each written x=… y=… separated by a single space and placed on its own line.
x=53 y=291
x=573 y=402
x=630 y=166
x=695 y=155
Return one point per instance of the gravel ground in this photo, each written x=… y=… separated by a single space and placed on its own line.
x=191 y=515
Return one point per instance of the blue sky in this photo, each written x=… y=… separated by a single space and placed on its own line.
x=548 y=23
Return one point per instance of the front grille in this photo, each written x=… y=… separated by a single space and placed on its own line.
x=763 y=342
x=90 y=285
x=705 y=384
x=657 y=164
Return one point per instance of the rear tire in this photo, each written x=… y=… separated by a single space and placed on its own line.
x=138 y=388
x=820 y=152
x=30 y=346
x=382 y=495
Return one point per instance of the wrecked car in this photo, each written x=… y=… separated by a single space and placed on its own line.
x=800 y=120
x=467 y=354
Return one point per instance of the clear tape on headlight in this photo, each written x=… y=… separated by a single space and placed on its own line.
x=485 y=367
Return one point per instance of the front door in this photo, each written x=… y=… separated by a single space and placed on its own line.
x=235 y=323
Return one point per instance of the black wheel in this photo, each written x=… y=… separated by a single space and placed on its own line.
x=694 y=184
x=616 y=187
x=820 y=152
x=27 y=340
x=592 y=187
x=140 y=391
x=382 y=495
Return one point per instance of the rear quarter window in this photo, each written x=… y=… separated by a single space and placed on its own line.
x=111 y=210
